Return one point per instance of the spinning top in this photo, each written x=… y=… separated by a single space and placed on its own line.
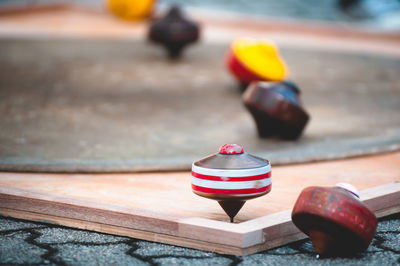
x=131 y=9
x=337 y=222
x=231 y=177
x=174 y=32
x=276 y=109
x=250 y=60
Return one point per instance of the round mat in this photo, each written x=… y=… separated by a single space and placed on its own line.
x=104 y=106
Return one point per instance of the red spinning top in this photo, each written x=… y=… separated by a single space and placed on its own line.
x=337 y=222
x=231 y=177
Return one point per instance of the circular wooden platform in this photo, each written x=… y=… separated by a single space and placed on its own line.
x=117 y=105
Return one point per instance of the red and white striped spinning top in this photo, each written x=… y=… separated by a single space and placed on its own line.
x=231 y=177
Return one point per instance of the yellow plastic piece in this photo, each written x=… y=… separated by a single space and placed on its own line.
x=261 y=58
x=131 y=9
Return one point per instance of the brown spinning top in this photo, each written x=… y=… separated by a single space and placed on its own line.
x=231 y=177
x=174 y=31
x=337 y=222
x=276 y=108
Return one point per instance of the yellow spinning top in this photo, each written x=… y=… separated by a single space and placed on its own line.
x=131 y=9
x=260 y=57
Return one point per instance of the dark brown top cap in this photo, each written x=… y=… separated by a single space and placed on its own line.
x=231 y=156
x=174 y=31
x=276 y=109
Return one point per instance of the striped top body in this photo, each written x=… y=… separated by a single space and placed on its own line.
x=250 y=182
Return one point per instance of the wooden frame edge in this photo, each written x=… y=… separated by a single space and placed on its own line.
x=123 y=231
x=221 y=237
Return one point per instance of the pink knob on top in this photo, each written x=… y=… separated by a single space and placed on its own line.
x=231 y=149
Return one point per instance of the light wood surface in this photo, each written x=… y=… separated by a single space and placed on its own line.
x=161 y=207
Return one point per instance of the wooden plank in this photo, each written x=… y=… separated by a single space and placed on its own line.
x=161 y=192
x=385 y=195
x=84 y=210
x=161 y=207
x=249 y=237
x=122 y=231
x=120 y=216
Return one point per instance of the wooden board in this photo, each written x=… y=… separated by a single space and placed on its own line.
x=161 y=207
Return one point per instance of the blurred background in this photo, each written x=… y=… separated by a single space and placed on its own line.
x=383 y=14
x=374 y=14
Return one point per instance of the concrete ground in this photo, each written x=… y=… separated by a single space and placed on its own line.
x=29 y=243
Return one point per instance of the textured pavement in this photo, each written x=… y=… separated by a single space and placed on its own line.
x=28 y=243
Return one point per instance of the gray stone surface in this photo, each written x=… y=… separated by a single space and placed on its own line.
x=96 y=254
x=99 y=106
x=67 y=235
x=30 y=243
x=6 y=225
x=151 y=249
x=16 y=248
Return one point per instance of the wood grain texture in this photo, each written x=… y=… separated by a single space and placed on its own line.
x=161 y=207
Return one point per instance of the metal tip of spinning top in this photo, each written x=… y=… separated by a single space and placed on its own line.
x=328 y=245
x=323 y=243
x=231 y=207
